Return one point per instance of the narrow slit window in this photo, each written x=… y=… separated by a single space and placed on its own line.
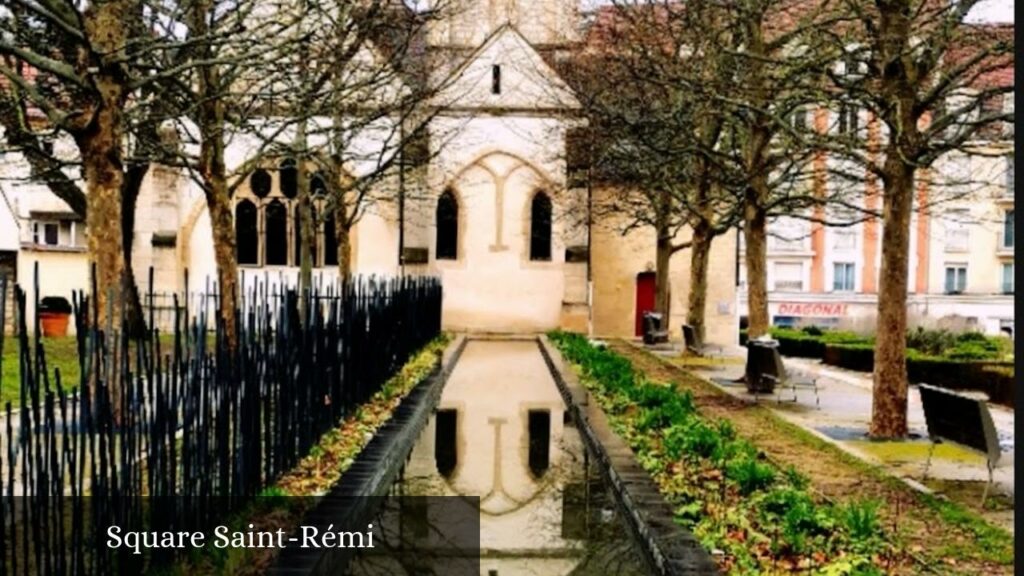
x=496 y=79
x=540 y=227
x=447 y=227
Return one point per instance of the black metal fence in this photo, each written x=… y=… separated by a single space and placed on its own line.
x=177 y=431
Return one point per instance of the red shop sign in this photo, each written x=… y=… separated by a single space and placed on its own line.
x=813 y=309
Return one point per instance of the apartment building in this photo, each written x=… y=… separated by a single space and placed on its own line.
x=961 y=265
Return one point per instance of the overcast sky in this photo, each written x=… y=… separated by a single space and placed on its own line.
x=986 y=11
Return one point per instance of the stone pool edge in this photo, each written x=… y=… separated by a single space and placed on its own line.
x=668 y=548
x=375 y=469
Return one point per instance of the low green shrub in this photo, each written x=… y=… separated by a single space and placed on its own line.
x=860 y=518
x=750 y=474
x=931 y=342
x=810 y=341
x=844 y=337
x=973 y=350
x=702 y=440
x=717 y=483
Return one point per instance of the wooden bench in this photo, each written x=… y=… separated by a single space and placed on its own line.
x=774 y=371
x=962 y=420
x=695 y=346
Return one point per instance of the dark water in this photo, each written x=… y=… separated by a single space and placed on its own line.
x=502 y=438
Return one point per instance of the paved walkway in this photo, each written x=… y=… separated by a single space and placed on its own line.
x=845 y=414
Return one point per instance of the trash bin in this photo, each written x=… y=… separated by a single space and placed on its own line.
x=652 y=327
x=760 y=359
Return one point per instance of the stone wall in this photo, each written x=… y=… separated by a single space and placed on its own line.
x=617 y=261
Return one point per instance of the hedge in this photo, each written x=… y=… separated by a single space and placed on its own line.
x=804 y=344
x=993 y=378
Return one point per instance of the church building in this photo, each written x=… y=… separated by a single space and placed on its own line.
x=493 y=212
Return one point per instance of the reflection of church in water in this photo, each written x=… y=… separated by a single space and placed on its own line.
x=503 y=436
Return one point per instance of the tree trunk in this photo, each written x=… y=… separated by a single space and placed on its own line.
x=210 y=118
x=889 y=400
x=222 y=223
x=135 y=321
x=342 y=232
x=663 y=260
x=700 y=249
x=307 y=236
x=755 y=237
x=662 y=288
x=101 y=161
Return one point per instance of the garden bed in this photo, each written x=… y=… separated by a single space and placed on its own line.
x=284 y=504
x=766 y=496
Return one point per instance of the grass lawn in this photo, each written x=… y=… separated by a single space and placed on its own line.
x=60 y=352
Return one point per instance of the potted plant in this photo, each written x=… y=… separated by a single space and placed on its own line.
x=54 y=312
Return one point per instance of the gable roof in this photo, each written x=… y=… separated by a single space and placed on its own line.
x=528 y=80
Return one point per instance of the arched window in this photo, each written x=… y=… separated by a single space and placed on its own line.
x=447 y=227
x=540 y=227
x=246 y=233
x=289 y=178
x=276 y=234
x=298 y=234
x=260 y=183
x=330 y=241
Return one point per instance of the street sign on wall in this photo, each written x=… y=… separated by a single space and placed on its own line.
x=813 y=309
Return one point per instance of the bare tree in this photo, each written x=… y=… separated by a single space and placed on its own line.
x=932 y=85
x=78 y=66
x=715 y=90
x=647 y=137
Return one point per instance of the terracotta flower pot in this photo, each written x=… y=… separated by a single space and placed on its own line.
x=54 y=323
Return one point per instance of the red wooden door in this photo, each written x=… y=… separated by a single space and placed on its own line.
x=645 y=282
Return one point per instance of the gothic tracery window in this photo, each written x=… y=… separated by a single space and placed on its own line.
x=268 y=221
